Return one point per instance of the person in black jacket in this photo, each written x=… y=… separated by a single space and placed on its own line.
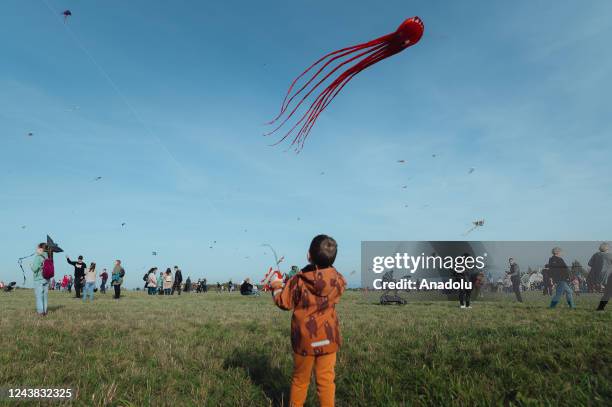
x=178 y=280
x=464 y=273
x=601 y=273
x=246 y=288
x=79 y=274
x=560 y=274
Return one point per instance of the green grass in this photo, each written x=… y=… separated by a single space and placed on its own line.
x=226 y=350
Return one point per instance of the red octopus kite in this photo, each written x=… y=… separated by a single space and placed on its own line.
x=361 y=56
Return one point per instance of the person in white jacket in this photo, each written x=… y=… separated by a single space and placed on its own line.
x=90 y=282
x=152 y=282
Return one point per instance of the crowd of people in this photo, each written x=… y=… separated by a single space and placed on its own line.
x=83 y=281
x=556 y=279
x=312 y=294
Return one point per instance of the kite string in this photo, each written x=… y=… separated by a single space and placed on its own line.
x=121 y=95
x=20 y=262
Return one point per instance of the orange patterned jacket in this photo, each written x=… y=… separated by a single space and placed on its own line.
x=312 y=294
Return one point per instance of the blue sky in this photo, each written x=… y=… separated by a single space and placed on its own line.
x=172 y=98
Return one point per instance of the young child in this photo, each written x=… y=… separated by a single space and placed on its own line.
x=312 y=294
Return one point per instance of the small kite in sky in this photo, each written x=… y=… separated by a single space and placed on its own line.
x=476 y=224
x=401 y=161
x=122 y=224
x=298 y=218
x=322 y=172
x=433 y=156
x=359 y=57
x=97 y=178
x=30 y=134
x=23 y=227
x=471 y=170
x=66 y=14
x=72 y=109
x=404 y=186
x=154 y=253
x=353 y=272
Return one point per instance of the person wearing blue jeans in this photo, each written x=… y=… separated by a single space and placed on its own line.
x=152 y=281
x=90 y=282
x=41 y=285
x=560 y=275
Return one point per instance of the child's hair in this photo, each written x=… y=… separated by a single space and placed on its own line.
x=323 y=250
x=42 y=246
x=92 y=266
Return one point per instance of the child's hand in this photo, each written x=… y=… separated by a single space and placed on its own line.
x=276 y=282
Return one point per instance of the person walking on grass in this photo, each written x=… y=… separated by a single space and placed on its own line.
x=104 y=277
x=152 y=282
x=315 y=330
x=178 y=280
x=515 y=278
x=90 y=282
x=117 y=278
x=560 y=275
x=167 y=284
x=463 y=274
x=160 y=283
x=41 y=285
x=546 y=281
x=79 y=274
x=601 y=273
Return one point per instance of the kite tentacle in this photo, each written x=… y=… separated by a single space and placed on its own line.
x=332 y=90
x=309 y=114
x=343 y=52
x=321 y=81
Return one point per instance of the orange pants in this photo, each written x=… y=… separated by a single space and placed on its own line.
x=324 y=373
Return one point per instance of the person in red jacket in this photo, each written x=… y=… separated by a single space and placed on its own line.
x=312 y=294
x=104 y=278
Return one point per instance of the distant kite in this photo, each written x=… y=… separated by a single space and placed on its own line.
x=366 y=55
x=30 y=134
x=471 y=170
x=401 y=161
x=97 y=178
x=122 y=224
x=154 y=253
x=476 y=224
x=66 y=14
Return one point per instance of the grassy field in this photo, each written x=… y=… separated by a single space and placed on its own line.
x=226 y=350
